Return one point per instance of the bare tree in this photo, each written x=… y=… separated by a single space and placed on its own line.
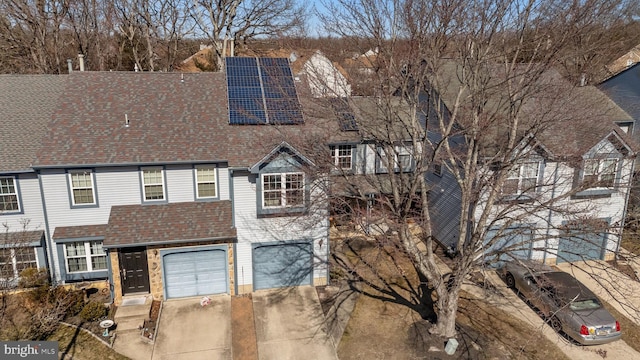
x=241 y=20
x=34 y=30
x=480 y=100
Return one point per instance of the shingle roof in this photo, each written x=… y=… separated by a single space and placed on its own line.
x=21 y=238
x=76 y=232
x=568 y=119
x=169 y=223
x=26 y=105
x=172 y=117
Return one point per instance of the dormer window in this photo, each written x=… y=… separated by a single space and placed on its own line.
x=341 y=156
x=401 y=158
x=522 y=179
x=600 y=172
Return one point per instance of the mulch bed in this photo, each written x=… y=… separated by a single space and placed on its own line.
x=149 y=327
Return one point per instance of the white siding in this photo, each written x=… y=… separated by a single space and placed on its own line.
x=31 y=216
x=251 y=229
x=324 y=78
x=114 y=186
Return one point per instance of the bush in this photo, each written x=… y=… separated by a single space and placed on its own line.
x=93 y=311
x=32 y=277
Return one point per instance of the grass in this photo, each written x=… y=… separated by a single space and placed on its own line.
x=630 y=330
x=77 y=344
x=387 y=325
x=519 y=339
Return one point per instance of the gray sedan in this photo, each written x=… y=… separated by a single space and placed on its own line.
x=564 y=302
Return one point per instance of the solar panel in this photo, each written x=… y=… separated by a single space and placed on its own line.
x=344 y=113
x=261 y=91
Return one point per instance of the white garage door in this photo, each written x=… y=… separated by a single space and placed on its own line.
x=195 y=273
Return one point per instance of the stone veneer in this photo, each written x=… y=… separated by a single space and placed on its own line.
x=154 y=264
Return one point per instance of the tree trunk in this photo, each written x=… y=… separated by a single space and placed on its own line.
x=446 y=312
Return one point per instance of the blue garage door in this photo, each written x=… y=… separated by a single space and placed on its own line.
x=579 y=246
x=195 y=273
x=514 y=243
x=282 y=265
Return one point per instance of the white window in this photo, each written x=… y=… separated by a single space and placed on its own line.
x=282 y=190
x=600 y=172
x=85 y=256
x=522 y=179
x=206 y=182
x=8 y=195
x=153 y=184
x=82 y=190
x=341 y=155
x=402 y=158
x=14 y=260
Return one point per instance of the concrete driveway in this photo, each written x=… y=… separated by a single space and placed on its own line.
x=190 y=331
x=609 y=284
x=290 y=325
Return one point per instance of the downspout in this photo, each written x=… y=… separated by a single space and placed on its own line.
x=553 y=194
x=626 y=203
x=49 y=241
x=235 y=244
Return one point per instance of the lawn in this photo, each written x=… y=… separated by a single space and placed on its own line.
x=79 y=345
x=389 y=322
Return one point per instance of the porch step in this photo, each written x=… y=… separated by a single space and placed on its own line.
x=129 y=325
x=132 y=311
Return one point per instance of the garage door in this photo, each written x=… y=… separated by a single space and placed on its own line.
x=195 y=273
x=514 y=243
x=282 y=265
x=581 y=247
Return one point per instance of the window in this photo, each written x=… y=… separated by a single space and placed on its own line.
x=14 y=260
x=85 y=256
x=402 y=159
x=82 y=191
x=600 y=172
x=8 y=195
x=205 y=182
x=282 y=190
x=341 y=155
x=153 y=184
x=522 y=179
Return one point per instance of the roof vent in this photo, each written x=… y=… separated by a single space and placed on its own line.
x=126 y=120
x=81 y=60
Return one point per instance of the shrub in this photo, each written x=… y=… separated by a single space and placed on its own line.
x=32 y=277
x=93 y=311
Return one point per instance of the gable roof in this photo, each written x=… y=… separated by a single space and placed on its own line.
x=568 y=120
x=26 y=105
x=173 y=118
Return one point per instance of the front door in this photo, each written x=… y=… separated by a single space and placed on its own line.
x=134 y=273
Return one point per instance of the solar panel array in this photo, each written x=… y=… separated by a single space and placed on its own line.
x=261 y=91
x=344 y=113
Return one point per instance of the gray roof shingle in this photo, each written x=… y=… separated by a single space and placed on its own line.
x=26 y=105
x=131 y=225
x=172 y=118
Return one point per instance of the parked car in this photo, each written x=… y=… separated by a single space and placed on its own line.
x=563 y=301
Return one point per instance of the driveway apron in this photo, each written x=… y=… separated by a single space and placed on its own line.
x=188 y=330
x=290 y=324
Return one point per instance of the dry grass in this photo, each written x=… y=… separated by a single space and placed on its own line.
x=389 y=323
x=76 y=344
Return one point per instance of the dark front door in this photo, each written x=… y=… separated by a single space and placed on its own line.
x=134 y=272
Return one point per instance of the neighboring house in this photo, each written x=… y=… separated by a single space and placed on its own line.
x=180 y=184
x=26 y=105
x=625 y=61
x=581 y=158
x=624 y=89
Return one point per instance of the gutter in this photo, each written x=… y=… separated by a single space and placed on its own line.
x=119 y=246
x=49 y=242
x=626 y=203
x=553 y=194
x=155 y=163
